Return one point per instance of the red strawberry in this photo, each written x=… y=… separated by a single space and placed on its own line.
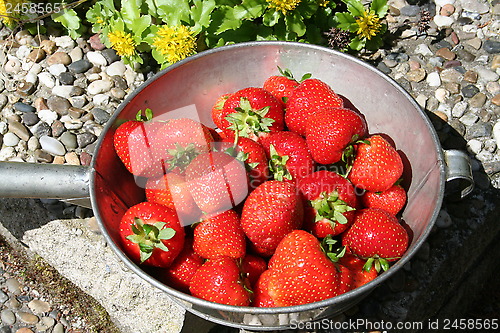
x=346 y=279
x=252 y=112
x=376 y=234
x=217 y=182
x=288 y=155
x=269 y=213
x=309 y=96
x=253 y=266
x=391 y=200
x=218 y=113
x=261 y=294
x=377 y=165
x=254 y=156
x=151 y=234
x=132 y=143
x=182 y=270
x=303 y=272
x=171 y=190
x=331 y=201
x=219 y=280
x=360 y=274
x=179 y=141
x=280 y=87
x=220 y=236
x=330 y=130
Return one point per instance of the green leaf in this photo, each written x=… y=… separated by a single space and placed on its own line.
x=380 y=7
x=166 y=233
x=355 y=7
x=174 y=12
x=201 y=12
x=249 y=9
x=130 y=10
x=223 y=19
x=357 y=43
x=344 y=21
x=294 y=22
x=271 y=17
x=68 y=18
x=140 y=24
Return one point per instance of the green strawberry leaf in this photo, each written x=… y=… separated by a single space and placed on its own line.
x=277 y=165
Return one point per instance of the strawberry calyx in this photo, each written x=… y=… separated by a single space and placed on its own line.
x=149 y=237
x=288 y=74
x=277 y=165
x=181 y=156
x=331 y=207
x=249 y=122
x=334 y=253
x=147 y=116
x=349 y=152
x=242 y=157
x=379 y=263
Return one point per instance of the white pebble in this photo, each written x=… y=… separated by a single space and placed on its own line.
x=442 y=94
x=62 y=91
x=96 y=58
x=116 y=68
x=100 y=99
x=496 y=132
x=33 y=143
x=47 y=116
x=443 y=219
x=76 y=54
x=424 y=50
x=57 y=69
x=441 y=3
x=7 y=153
x=12 y=66
x=31 y=78
x=486 y=74
x=47 y=79
x=72 y=124
x=421 y=100
x=10 y=139
x=459 y=109
x=4 y=128
x=65 y=42
x=443 y=21
x=469 y=119
x=474 y=146
x=34 y=68
x=433 y=79
x=52 y=145
x=99 y=86
x=23 y=51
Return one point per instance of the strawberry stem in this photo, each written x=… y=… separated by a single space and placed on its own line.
x=247 y=121
x=149 y=237
x=277 y=165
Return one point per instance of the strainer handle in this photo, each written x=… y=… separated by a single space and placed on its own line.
x=69 y=183
x=459 y=179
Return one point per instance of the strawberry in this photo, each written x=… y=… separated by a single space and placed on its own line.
x=289 y=158
x=302 y=271
x=261 y=293
x=252 y=112
x=219 y=236
x=376 y=235
x=310 y=96
x=254 y=156
x=360 y=274
x=132 y=143
x=151 y=234
x=330 y=130
x=219 y=280
x=217 y=182
x=391 y=200
x=180 y=273
x=331 y=202
x=179 y=141
x=218 y=113
x=171 y=190
x=377 y=165
x=281 y=86
x=345 y=279
x=253 y=266
x=269 y=213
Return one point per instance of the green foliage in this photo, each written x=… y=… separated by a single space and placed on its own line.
x=365 y=26
x=213 y=23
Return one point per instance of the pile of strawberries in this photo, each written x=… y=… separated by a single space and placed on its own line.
x=287 y=201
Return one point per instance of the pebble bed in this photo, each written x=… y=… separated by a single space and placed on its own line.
x=56 y=94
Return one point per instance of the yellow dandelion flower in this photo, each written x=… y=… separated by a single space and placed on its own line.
x=283 y=5
x=10 y=9
x=122 y=43
x=368 y=25
x=175 y=43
